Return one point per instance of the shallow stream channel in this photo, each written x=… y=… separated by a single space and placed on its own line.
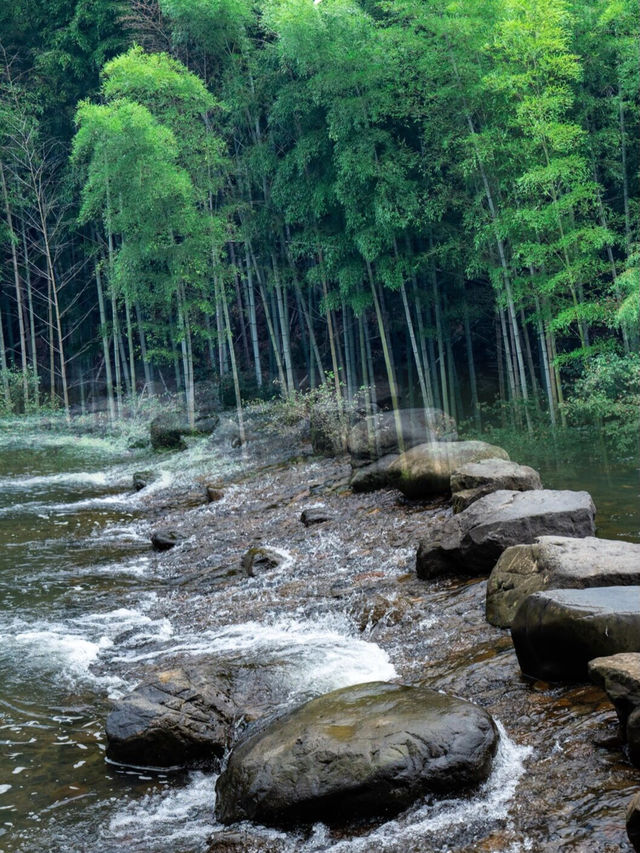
x=88 y=610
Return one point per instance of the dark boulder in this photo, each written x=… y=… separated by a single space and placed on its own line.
x=315 y=515
x=164 y=540
x=472 y=541
x=392 y=432
x=557 y=632
x=477 y=479
x=378 y=475
x=633 y=822
x=558 y=562
x=166 y=431
x=188 y=716
x=142 y=479
x=368 y=750
x=619 y=676
x=178 y=719
x=214 y=493
x=426 y=469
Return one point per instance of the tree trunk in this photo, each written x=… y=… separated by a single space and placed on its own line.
x=13 y=240
x=105 y=348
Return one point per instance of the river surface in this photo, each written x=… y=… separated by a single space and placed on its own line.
x=87 y=610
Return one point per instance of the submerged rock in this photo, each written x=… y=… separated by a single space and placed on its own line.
x=392 y=432
x=244 y=841
x=633 y=822
x=619 y=676
x=165 y=539
x=176 y=720
x=476 y=479
x=472 y=541
x=558 y=562
x=368 y=750
x=426 y=469
x=557 y=632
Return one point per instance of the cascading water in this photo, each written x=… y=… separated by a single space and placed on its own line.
x=88 y=611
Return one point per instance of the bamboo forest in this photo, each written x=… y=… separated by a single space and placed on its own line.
x=319 y=426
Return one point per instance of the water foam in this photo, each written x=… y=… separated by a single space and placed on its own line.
x=439 y=820
x=158 y=820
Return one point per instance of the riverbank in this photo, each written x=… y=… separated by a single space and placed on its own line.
x=342 y=606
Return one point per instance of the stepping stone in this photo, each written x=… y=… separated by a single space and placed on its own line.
x=472 y=541
x=557 y=632
x=477 y=479
x=558 y=562
x=619 y=677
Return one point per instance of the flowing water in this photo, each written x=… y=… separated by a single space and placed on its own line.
x=87 y=610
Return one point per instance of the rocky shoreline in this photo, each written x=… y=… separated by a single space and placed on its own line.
x=271 y=513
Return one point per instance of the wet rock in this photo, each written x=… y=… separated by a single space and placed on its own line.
x=378 y=475
x=315 y=515
x=257 y=560
x=178 y=719
x=165 y=539
x=558 y=562
x=557 y=632
x=166 y=431
x=368 y=750
x=214 y=493
x=391 y=432
x=228 y=841
x=476 y=479
x=378 y=610
x=188 y=716
x=472 y=541
x=619 y=676
x=633 y=822
x=426 y=469
x=142 y=479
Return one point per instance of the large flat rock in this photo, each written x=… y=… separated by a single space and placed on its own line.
x=426 y=469
x=558 y=562
x=472 y=541
x=619 y=676
x=477 y=479
x=368 y=750
x=557 y=632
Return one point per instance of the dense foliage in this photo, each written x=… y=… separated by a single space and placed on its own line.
x=279 y=194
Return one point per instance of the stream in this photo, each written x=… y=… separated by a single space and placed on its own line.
x=87 y=610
